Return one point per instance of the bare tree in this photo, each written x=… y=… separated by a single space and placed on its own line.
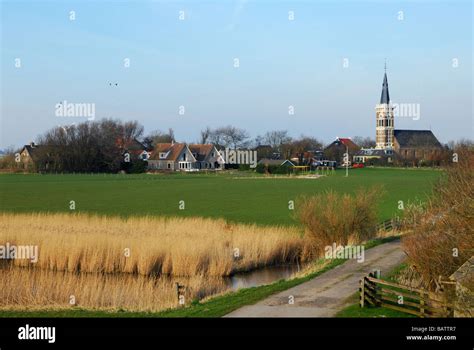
x=258 y=140
x=132 y=130
x=158 y=136
x=235 y=137
x=307 y=143
x=87 y=147
x=205 y=135
x=171 y=134
x=276 y=138
x=229 y=136
x=364 y=142
x=462 y=143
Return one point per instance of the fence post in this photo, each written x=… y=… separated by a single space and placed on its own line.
x=422 y=304
x=362 y=292
x=179 y=289
x=375 y=274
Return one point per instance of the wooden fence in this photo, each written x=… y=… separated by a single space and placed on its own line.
x=180 y=291
x=388 y=225
x=377 y=292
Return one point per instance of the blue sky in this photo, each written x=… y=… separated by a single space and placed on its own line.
x=282 y=63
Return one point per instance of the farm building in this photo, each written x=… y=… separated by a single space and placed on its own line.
x=277 y=162
x=28 y=155
x=336 y=150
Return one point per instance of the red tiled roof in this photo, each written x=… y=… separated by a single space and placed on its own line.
x=174 y=150
x=201 y=150
x=162 y=147
x=348 y=142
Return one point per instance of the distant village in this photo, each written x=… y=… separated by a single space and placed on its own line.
x=276 y=152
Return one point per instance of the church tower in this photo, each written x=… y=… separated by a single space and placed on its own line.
x=384 y=119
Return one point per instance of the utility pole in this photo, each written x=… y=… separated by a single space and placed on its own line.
x=347 y=161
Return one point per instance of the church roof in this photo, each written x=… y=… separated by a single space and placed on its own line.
x=416 y=138
x=385 y=98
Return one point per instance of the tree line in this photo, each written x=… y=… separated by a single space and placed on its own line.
x=96 y=146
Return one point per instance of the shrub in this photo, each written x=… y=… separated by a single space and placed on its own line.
x=339 y=218
x=282 y=169
x=441 y=234
x=260 y=168
x=138 y=166
x=273 y=169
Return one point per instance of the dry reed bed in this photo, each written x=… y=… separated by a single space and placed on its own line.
x=149 y=245
x=43 y=289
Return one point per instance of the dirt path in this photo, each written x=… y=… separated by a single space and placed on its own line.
x=325 y=295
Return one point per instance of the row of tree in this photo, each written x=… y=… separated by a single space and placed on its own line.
x=97 y=146
x=279 y=140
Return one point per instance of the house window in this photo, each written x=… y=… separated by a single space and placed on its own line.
x=169 y=166
x=162 y=155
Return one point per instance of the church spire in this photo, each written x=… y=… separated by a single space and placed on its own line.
x=385 y=98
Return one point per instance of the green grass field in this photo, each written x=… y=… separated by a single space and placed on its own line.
x=238 y=196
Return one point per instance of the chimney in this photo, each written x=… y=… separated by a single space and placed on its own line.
x=32 y=144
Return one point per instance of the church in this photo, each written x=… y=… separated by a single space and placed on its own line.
x=405 y=146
